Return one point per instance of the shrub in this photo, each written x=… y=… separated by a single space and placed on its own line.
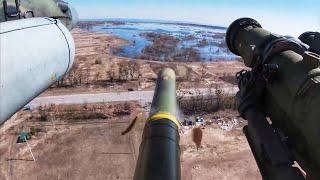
x=43 y=113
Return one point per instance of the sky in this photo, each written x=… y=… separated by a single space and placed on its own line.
x=287 y=17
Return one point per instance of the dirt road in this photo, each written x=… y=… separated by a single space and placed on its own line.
x=141 y=96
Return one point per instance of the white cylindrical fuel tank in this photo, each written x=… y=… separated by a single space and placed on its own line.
x=34 y=54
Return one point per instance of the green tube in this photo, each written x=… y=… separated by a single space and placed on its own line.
x=165 y=99
x=292 y=99
x=159 y=154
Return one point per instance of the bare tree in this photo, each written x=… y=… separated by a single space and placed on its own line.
x=97 y=77
x=99 y=59
x=189 y=74
x=203 y=71
x=219 y=96
x=61 y=82
x=111 y=74
x=140 y=78
x=71 y=77
x=129 y=70
x=134 y=69
x=191 y=54
x=87 y=75
x=123 y=71
x=43 y=113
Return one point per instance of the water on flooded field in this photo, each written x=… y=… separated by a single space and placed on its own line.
x=207 y=40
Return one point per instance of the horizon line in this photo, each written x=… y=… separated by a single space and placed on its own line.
x=147 y=20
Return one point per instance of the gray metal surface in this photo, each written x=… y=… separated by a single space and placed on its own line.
x=35 y=53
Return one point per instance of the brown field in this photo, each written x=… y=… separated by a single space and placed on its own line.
x=85 y=141
x=97 y=70
x=68 y=147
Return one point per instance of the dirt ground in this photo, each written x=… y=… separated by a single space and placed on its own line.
x=85 y=149
x=224 y=155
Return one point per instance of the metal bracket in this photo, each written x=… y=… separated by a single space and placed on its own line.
x=16 y=13
x=28 y=12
